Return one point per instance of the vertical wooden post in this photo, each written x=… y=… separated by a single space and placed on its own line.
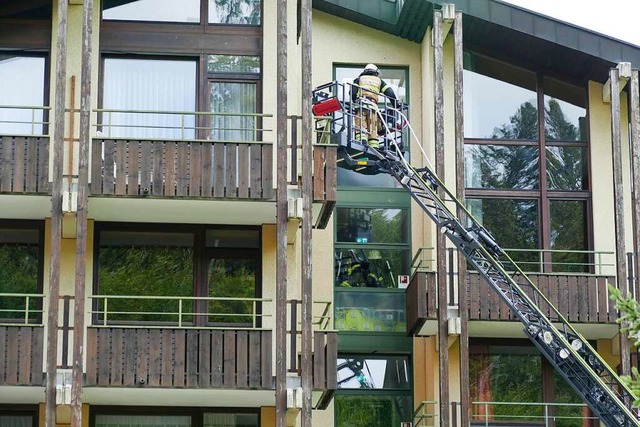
x=443 y=339
x=463 y=304
x=618 y=198
x=307 y=196
x=56 y=214
x=81 y=220
x=281 y=216
x=635 y=164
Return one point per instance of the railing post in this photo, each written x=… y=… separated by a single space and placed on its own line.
x=546 y=415
x=630 y=277
x=454 y=414
x=180 y=313
x=182 y=126
x=294 y=333
x=486 y=414
x=451 y=276
x=109 y=124
x=255 y=313
x=33 y=121
x=104 y=319
x=26 y=310
x=294 y=150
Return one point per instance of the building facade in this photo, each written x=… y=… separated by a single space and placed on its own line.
x=171 y=310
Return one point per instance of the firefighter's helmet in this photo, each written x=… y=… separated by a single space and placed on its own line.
x=372 y=69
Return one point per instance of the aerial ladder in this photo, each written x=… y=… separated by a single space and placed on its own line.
x=567 y=350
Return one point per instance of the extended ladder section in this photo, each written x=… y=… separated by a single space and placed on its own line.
x=572 y=355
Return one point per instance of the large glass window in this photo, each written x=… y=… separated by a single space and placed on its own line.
x=238 y=12
x=510 y=383
x=164 y=89
x=20 y=272
x=22 y=83
x=529 y=188
x=152 y=10
x=195 y=418
x=152 y=275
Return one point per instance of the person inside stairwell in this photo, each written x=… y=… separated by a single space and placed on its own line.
x=364 y=94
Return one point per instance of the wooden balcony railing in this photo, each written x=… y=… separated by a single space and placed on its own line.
x=325 y=360
x=24 y=164
x=21 y=355
x=179 y=358
x=421 y=301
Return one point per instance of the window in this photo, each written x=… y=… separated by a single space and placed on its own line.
x=373 y=391
x=181 y=418
x=235 y=12
x=16 y=417
x=159 y=272
x=511 y=378
x=526 y=162
x=22 y=95
x=21 y=254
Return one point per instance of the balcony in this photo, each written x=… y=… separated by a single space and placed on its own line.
x=577 y=289
x=21 y=340
x=200 y=156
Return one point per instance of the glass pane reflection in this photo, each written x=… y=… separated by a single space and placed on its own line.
x=374 y=373
x=370 y=311
x=360 y=225
x=501 y=166
x=569 y=233
x=567 y=168
x=239 y=12
x=372 y=268
x=152 y=10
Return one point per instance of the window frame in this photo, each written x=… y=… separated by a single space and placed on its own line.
x=26 y=410
x=195 y=413
x=543 y=194
x=201 y=255
x=39 y=226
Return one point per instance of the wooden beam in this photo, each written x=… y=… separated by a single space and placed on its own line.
x=82 y=219
x=624 y=74
x=307 y=218
x=618 y=201
x=441 y=254
x=281 y=215
x=56 y=214
x=448 y=12
x=463 y=304
x=634 y=100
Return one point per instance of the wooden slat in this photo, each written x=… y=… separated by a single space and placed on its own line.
x=170 y=169
x=563 y=295
x=494 y=308
x=318 y=361
x=117 y=350
x=142 y=357
x=484 y=299
x=167 y=358
x=31 y=185
x=613 y=311
x=18 y=166
x=24 y=372
x=179 y=363
x=195 y=170
x=207 y=170
x=204 y=359
x=554 y=294
x=43 y=166
x=155 y=357
x=543 y=285
x=603 y=302
x=217 y=358
x=242 y=359
x=96 y=165
x=158 y=168
x=37 y=345
x=145 y=167
x=129 y=357
x=318 y=173
x=582 y=295
x=267 y=171
x=254 y=359
x=91 y=377
x=474 y=296
x=229 y=367
x=218 y=169
x=121 y=167
x=243 y=171
x=3 y=347
x=573 y=304
x=593 y=300
x=332 y=360
x=255 y=184
x=133 y=169
x=107 y=174
x=7 y=160
x=231 y=171
x=103 y=356
x=13 y=356
x=192 y=358
x=432 y=296
x=182 y=170
x=266 y=360
x=331 y=176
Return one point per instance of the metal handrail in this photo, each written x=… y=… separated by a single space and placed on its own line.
x=33 y=122
x=421 y=263
x=547 y=416
x=180 y=315
x=25 y=318
x=183 y=127
x=421 y=414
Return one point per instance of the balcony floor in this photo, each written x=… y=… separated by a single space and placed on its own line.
x=20 y=206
